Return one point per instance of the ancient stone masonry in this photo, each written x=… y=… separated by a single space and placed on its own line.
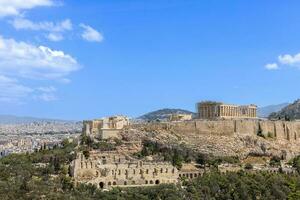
x=230 y=137
x=180 y=117
x=106 y=127
x=278 y=130
x=215 y=110
x=111 y=169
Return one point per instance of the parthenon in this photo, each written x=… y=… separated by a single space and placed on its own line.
x=215 y=110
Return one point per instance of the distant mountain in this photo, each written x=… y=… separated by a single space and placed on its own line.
x=11 y=119
x=267 y=110
x=163 y=114
x=290 y=112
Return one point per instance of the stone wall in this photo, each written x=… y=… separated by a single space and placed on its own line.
x=279 y=130
x=111 y=169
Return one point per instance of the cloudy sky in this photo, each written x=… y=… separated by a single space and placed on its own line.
x=85 y=59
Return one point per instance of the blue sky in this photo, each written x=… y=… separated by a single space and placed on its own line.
x=86 y=59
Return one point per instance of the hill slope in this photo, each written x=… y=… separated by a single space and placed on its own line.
x=163 y=114
x=267 y=110
x=291 y=112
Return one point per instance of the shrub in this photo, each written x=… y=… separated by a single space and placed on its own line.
x=275 y=161
x=248 y=166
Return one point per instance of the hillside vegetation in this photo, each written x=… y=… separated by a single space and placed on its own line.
x=163 y=114
x=45 y=175
x=290 y=112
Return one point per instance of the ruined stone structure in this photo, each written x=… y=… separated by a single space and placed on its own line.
x=181 y=117
x=218 y=110
x=111 y=169
x=106 y=127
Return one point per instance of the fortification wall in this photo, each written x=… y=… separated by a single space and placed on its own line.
x=224 y=127
x=278 y=130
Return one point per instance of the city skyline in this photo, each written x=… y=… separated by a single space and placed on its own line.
x=77 y=60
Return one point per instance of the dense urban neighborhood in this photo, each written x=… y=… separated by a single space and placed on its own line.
x=28 y=137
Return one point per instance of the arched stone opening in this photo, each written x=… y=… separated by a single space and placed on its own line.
x=157 y=182
x=101 y=185
x=114 y=183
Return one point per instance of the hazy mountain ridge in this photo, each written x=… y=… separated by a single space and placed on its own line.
x=12 y=119
x=267 y=110
x=290 y=112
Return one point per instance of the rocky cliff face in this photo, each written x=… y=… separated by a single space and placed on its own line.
x=226 y=137
x=290 y=112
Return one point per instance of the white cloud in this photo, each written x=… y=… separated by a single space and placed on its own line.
x=65 y=80
x=35 y=62
x=15 y=7
x=12 y=91
x=290 y=60
x=91 y=34
x=46 y=97
x=46 y=93
x=21 y=23
x=23 y=60
x=271 y=66
x=54 y=30
x=47 y=89
x=55 y=37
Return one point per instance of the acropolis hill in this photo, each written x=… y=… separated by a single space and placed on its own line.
x=222 y=130
x=235 y=137
x=227 y=129
x=219 y=129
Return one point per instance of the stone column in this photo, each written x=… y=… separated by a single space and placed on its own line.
x=227 y=111
x=221 y=111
